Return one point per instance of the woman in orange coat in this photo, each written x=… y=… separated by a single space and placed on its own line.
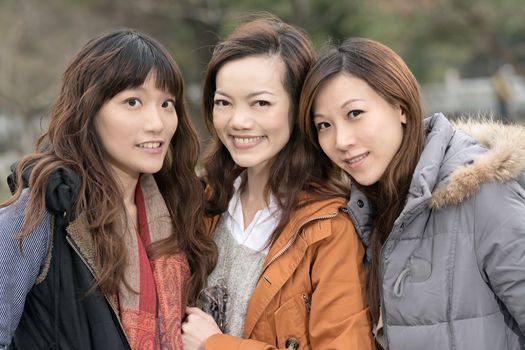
x=290 y=271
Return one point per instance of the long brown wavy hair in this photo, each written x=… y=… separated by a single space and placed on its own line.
x=389 y=76
x=296 y=168
x=105 y=66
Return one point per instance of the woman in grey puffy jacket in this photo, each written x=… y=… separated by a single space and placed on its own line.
x=440 y=208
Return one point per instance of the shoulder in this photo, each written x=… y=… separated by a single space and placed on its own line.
x=321 y=209
x=325 y=219
x=502 y=161
x=35 y=247
x=495 y=215
x=12 y=218
x=14 y=213
x=312 y=204
x=501 y=200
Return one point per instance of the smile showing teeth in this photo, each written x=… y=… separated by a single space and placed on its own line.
x=357 y=159
x=150 y=145
x=246 y=139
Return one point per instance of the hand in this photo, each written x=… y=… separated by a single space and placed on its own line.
x=197 y=328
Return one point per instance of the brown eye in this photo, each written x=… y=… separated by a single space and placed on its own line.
x=262 y=103
x=133 y=102
x=354 y=113
x=322 y=125
x=221 y=103
x=168 y=104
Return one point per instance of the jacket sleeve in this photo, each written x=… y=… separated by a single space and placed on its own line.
x=19 y=265
x=338 y=314
x=225 y=341
x=499 y=234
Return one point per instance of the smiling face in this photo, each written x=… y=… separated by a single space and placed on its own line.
x=135 y=128
x=357 y=128
x=251 y=112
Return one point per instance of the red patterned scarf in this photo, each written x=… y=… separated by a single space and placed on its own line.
x=152 y=317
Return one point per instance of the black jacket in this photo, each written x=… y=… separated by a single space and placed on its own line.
x=58 y=312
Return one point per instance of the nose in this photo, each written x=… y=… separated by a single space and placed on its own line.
x=345 y=137
x=154 y=121
x=240 y=119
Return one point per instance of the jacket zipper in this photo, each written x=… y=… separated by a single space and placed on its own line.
x=306 y=300
x=294 y=237
x=382 y=305
x=72 y=244
x=381 y=296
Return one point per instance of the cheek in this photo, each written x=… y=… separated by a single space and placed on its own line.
x=173 y=126
x=101 y=129
x=218 y=120
x=398 y=137
x=280 y=120
x=326 y=145
x=288 y=127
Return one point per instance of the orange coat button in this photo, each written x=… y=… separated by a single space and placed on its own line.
x=291 y=344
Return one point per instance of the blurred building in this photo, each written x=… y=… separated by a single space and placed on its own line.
x=499 y=96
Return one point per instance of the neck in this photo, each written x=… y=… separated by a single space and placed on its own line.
x=128 y=184
x=252 y=196
x=128 y=192
x=256 y=181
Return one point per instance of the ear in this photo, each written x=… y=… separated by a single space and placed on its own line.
x=402 y=116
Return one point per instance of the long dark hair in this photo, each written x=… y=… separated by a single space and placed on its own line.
x=105 y=66
x=389 y=76
x=295 y=168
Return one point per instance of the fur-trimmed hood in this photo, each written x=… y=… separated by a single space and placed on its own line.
x=459 y=267
x=503 y=160
x=456 y=160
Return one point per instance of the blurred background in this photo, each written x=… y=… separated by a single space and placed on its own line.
x=468 y=55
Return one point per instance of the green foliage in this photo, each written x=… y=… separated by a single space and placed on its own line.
x=37 y=38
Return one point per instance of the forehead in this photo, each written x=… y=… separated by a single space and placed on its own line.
x=253 y=72
x=340 y=88
x=163 y=78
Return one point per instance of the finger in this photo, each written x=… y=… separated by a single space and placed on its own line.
x=186 y=327
x=194 y=311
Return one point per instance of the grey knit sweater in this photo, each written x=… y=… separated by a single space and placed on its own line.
x=238 y=268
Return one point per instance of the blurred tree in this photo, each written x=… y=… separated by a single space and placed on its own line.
x=37 y=38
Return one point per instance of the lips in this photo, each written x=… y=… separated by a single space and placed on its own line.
x=150 y=145
x=245 y=140
x=357 y=159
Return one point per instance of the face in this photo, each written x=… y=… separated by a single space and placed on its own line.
x=251 y=112
x=135 y=127
x=357 y=128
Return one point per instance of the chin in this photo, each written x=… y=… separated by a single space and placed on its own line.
x=151 y=170
x=245 y=163
x=365 y=180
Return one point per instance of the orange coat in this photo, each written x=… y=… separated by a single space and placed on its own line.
x=311 y=291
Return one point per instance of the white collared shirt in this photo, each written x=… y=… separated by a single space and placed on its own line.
x=260 y=228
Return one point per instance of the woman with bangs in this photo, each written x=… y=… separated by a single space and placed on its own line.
x=101 y=246
x=289 y=273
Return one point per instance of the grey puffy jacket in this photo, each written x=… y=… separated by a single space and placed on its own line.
x=452 y=271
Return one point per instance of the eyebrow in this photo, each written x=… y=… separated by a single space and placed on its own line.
x=142 y=88
x=251 y=94
x=138 y=87
x=347 y=102
x=343 y=105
